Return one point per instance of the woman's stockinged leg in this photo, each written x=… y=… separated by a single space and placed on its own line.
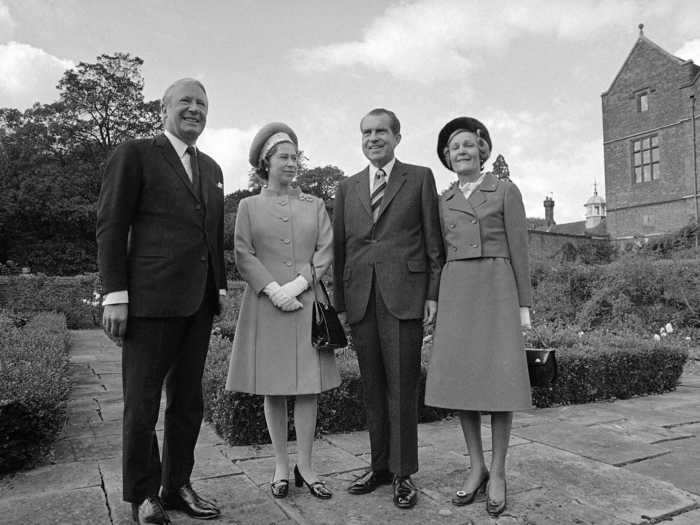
x=501 y=424
x=471 y=427
x=276 y=418
x=305 y=411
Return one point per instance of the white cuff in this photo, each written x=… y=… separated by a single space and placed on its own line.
x=118 y=297
x=271 y=288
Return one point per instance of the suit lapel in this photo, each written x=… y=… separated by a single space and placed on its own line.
x=396 y=180
x=362 y=188
x=205 y=179
x=456 y=201
x=171 y=157
x=479 y=195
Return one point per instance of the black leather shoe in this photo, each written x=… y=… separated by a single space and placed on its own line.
x=150 y=510
x=369 y=481
x=280 y=488
x=462 y=498
x=405 y=492
x=317 y=488
x=495 y=508
x=188 y=501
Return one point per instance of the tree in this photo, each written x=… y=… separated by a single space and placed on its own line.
x=320 y=181
x=500 y=167
x=104 y=103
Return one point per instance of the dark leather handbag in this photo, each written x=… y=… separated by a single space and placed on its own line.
x=541 y=366
x=326 y=331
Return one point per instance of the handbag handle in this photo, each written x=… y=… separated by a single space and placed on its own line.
x=318 y=282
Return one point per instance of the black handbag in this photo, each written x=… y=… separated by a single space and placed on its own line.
x=541 y=366
x=326 y=331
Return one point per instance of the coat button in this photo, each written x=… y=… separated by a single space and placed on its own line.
x=475 y=245
x=473 y=221
x=452 y=226
x=284 y=219
x=285 y=241
x=282 y=203
x=454 y=248
x=288 y=263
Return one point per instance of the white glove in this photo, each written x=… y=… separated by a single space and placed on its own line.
x=525 y=317
x=280 y=299
x=294 y=287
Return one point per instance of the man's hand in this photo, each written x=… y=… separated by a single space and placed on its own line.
x=343 y=318
x=429 y=312
x=114 y=321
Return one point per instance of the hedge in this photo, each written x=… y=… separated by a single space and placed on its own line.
x=73 y=296
x=34 y=385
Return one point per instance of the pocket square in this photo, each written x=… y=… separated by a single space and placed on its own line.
x=219 y=185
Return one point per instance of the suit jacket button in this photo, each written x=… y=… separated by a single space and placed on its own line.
x=203 y=258
x=198 y=207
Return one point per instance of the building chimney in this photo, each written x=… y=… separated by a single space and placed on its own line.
x=549 y=212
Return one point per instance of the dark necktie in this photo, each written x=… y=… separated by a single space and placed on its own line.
x=378 y=193
x=194 y=169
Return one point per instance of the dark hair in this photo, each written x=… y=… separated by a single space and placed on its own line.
x=263 y=167
x=394 y=123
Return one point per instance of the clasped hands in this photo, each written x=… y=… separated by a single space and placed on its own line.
x=285 y=297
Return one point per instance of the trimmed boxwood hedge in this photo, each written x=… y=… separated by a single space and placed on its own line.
x=73 y=296
x=34 y=385
x=592 y=366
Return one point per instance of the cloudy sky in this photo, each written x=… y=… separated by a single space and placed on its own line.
x=532 y=70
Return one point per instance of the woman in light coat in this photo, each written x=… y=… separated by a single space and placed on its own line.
x=478 y=362
x=281 y=237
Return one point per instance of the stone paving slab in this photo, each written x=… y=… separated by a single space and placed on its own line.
x=651 y=434
x=687 y=518
x=619 y=492
x=66 y=476
x=681 y=467
x=597 y=443
x=71 y=507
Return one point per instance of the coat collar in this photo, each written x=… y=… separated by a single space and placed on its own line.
x=455 y=198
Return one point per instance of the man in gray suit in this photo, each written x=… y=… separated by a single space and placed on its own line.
x=388 y=256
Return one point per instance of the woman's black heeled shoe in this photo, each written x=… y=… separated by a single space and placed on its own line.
x=462 y=498
x=317 y=488
x=495 y=508
x=280 y=488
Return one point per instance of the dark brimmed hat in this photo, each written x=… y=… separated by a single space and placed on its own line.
x=460 y=123
x=261 y=137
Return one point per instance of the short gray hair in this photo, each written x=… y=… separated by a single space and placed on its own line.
x=171 y=87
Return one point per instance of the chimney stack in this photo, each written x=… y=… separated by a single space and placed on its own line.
x=549 y=212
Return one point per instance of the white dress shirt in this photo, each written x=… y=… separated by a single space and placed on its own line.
x=373 y=173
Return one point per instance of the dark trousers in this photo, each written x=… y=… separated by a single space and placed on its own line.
x=168 y=350
x=388 y=351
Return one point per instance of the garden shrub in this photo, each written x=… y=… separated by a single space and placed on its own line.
x=73 y=296
x=600 y=365
x=34 y=384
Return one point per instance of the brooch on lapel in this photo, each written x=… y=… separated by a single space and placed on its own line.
x=306 y=198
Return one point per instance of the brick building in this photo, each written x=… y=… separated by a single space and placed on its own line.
x=649 y=143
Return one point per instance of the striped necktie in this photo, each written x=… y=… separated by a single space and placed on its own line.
x=378 y=192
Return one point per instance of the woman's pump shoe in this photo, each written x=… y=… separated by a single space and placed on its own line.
x=280 y=488
x=317 y=488
x=495 y=508
x=462 y=497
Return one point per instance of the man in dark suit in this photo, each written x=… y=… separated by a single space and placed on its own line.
x=160 y=254
x=388 y=257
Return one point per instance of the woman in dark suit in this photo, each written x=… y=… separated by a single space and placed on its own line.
x=478 y=363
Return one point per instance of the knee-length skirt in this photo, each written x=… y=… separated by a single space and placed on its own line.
x=478 y=361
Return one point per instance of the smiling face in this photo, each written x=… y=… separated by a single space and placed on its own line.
x=282 y=165
x=185 y=111
x=378 y=141
x=463 y=152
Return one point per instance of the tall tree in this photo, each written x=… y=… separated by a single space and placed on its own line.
x=500 y=167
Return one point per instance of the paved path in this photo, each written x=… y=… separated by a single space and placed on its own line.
x=624 y=462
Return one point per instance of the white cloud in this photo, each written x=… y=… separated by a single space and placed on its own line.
x=690 y=51
x=229 y=147
x=7 y=24
x=29 y=74
x=429 y=40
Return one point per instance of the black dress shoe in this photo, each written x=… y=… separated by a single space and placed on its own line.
x=405 y=492
x=462 y=498
x=191 y=503
x=150 y=510
x=369 y=481
x=317 y=488
x=495 y=508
